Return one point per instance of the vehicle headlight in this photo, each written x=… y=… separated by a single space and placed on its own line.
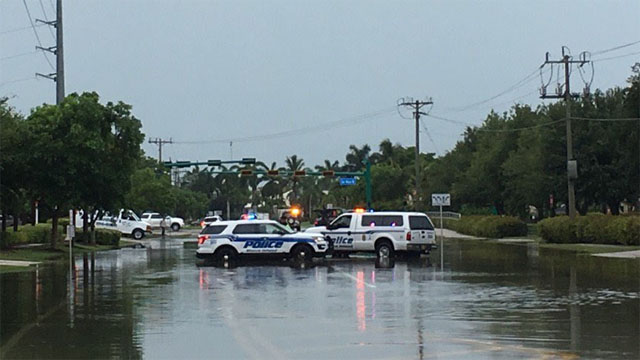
x=318 y=239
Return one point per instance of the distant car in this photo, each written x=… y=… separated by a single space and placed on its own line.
x=227 y=240
x=208 y=220
x=325 y=216
x=155 y=220
x=9 y=220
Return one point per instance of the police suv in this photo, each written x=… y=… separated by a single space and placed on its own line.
x=226 y=240
x=381 y=232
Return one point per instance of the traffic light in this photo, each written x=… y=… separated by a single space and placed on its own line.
x=248 y=161
x=182 y=164
x=273 y=172
x=214 y=162
x=167 y=163
x=299 y=173
x=246 y=172
x=328 y=173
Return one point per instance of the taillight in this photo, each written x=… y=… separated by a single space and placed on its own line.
x=202 y=239
x=408 y=235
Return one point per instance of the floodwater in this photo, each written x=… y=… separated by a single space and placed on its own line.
x=491 y=301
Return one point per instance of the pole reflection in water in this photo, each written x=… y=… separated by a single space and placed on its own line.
x=361 y=307
x=574 y=310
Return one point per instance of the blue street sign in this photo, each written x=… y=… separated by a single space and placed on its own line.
x=347 y=181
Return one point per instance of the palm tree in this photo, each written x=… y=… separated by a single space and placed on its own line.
x=355 y=158
x=294 y=164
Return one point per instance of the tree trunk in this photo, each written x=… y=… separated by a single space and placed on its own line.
x=54 y=228
x=4 y=221
x=85 y=221
x=15 y=221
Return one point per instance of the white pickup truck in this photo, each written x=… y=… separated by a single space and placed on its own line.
x=155 y=220
x=127 y=222
x=381 y=232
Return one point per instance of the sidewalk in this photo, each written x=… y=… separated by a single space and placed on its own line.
x=634 y=254
x=454 y=235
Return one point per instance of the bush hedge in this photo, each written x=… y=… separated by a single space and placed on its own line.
x=103 y=237
x=491 y=226
x=592 y=228
x=26 y=234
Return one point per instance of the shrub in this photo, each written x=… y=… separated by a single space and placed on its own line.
x=487 y=226
x=26 y=234
x=559 y=229
x=592 y=228
x=103 y=237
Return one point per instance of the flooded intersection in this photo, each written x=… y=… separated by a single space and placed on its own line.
x=491 y=301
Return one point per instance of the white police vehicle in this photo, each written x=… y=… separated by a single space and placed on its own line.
x=381 y=232
x=226 y=240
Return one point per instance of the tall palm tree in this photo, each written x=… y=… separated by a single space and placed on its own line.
x=356 y=156
x=294 y=164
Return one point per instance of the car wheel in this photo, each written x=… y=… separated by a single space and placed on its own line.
x=384 y=249
x=302 y=253
x=175 y=226
x=137 y=234
x=225 y=254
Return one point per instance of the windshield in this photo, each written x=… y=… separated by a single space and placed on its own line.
x=280 y=227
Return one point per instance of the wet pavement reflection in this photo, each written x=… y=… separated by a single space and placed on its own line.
x=491 y=301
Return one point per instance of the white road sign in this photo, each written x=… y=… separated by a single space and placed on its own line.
x=441 y=199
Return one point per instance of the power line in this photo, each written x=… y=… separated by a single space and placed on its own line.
x=435 y=147
x=320 y=127
x=18 y=55
x=23 y=28
x=35 y=32
x=614 y=48
x=17 y=81
x=520 y=83
x=477 y=128
x=44 y=13
x=605 y=120
x=616 y=57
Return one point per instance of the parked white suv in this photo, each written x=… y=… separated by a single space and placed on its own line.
x=155 y=220
x=381 y=232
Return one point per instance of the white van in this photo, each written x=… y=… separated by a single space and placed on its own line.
x=381 y=232
x=127 y=222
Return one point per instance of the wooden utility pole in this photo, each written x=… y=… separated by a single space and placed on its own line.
x=572 y=165
x=416 y=105
x=160 y=142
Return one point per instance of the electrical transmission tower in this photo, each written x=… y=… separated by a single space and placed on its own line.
x=563 y=91
x=58 y=51
x=416 y=105
x=160 y=142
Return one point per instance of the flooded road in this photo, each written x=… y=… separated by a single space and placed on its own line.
x=491 y=301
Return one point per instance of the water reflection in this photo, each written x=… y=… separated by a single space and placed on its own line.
x=492 y=300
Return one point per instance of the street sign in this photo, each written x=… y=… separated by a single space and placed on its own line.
x=347 y=181
x=441 y=199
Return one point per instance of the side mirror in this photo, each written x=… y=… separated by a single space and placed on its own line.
x=331 y=227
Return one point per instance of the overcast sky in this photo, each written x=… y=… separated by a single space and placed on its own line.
x=205 y=72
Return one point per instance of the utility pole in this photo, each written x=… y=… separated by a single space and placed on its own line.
x=572 y=166
x=58 y=51
x=416 y=105
x=160 y=142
